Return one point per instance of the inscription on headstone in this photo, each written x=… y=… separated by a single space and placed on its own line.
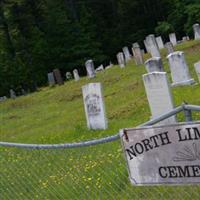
x=94 y=106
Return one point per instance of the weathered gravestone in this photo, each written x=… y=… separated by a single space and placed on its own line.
x=197 y=69
x=196 y=29
x=12 y=94
x=184 y=39
x=137 y=53
x=68 y=75
x=4 y=98
x=179 y=69
x=172 y=38
x=76 y=75
x=90 y=68
x=159 y=95
x=99 y=69
x=169 y=47
x=58 y=77
x=126 y=53
x=94 y=106
x=146 y=46
x=154 y=65
x=160 y=42
x=120 y=59
x=152 y=46
x=51 y=79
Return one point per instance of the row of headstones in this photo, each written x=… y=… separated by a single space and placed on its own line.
x=157 y=86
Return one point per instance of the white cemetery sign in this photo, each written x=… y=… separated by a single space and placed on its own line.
x=120 y=59
x=90 y=68
x=172 y=38
x=94 y=106
x=160 y=42
x=152 y=46
x=159 y=95
x=51 y=79
x=196 y=28
x=137 y=53
x=154 y=65
x=197 y=69
x=167 y=154
x=126 y=53
x=76 y=75
x=179 y=69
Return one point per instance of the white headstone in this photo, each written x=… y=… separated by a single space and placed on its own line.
x=99 y=69
x=159 y=95
x=169 y=47
x=172 y=38
x=76 y=75
x=196 y=29
x=154 y=65
x=152 y=46
x=160 y=42
x=126 y=53
x=179 y=69
x=12 y=94
x=197 y=69
x=94 y=106
x=120 y=59
x=51 y=79
x=137 y=53
x=68 y=75
x=90 y=68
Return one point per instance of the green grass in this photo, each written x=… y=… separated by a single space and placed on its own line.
x=56 y=115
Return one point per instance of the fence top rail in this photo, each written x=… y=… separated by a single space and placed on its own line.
x=101 y=140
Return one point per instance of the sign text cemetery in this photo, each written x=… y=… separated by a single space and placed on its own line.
x=167 y=154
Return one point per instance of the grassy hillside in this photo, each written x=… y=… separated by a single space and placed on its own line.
x=56 y=115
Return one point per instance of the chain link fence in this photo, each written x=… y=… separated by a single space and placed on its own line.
x=95 y=170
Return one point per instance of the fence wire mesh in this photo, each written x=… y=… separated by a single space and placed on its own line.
x=93 y=172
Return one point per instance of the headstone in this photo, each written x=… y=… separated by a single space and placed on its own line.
x=99 y=69
x=153 y=46
x=110 y=64
x=12 y=94
x=184 y=39
x=58 y=77
x=197 y=69
x=179 y=69
x=23 y=92
x=169 y=47
x=137 y=53
x=94 y=106
x=159 y=95
x=154 y=65
x=76 y=75
x=172 y=38
x=120 y=59
x=146 y=46
x=51 y=79
x=90 y=68
x=160 y=42
x=126 y=53
x=188 y=38
x=196 y=29
x=68 y=75
x=3 y=98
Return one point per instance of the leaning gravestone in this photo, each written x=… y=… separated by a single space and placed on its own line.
x=197 y=69
x=58 y=77
x=90 y=68
x=169 y=47
x=179 y=69
x=68 y=75
x=196 y=29
x=126 y=53
x=120 y=59
x=94 y=106
x=159 y=95
x=160 y=42
x=51 y=79
x=12 y=94
x=172 y=38
x=99 y=69
x=76 y=75
x=152 y=46
x=137 y=53
x=154 y=65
